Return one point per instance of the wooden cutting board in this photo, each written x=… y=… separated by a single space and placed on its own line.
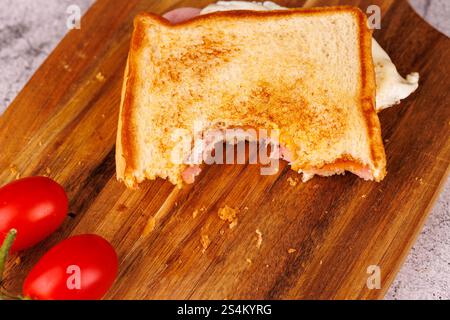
x=63 y=124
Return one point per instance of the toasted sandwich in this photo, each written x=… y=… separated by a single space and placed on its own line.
x=306 y=73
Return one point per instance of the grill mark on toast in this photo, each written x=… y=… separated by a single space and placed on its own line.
x=269 y=101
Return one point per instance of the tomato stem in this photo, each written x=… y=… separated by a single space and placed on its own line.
x=4 y=250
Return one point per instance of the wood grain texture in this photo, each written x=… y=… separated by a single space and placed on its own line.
x=63 y=124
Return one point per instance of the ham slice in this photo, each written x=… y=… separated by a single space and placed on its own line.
x=193 y=171
x=339 y=167
x=181 y=14
x=190 y=173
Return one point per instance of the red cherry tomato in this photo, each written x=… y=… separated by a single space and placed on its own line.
x=80 y=268
x=35 y=207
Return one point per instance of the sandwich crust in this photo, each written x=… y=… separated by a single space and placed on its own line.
x=129 y=150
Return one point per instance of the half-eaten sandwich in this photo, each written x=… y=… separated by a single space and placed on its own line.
x=306 y=73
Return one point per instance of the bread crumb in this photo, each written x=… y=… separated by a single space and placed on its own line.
x=14 y=171
x=233 y=224
x=290 y=251
x=249 y=261
x=203 y=209
x=292 y=182
x=195 y=214
x=364 y=196
x=246 y=208
x=222 y=232
x=48 y=171
x=18 y=261
x=320 y=262
x=229 y=214
x=259 y=238
x=205 y=242
x=100 y=77
x=149 y=227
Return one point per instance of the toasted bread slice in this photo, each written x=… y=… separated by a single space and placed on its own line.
x=307 y=73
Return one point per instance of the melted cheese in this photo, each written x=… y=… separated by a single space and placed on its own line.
x=391 y=86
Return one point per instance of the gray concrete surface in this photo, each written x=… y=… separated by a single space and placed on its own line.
x=30 y=29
